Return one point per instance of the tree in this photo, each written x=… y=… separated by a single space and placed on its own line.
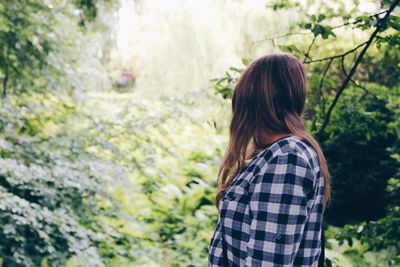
x=28 y=37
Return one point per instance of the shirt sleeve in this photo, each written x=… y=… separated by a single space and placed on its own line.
x=279 y=210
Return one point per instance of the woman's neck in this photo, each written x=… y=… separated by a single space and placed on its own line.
x=265 y=140
x=268 y=139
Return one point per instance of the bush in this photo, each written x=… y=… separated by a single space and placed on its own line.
x=53 y=197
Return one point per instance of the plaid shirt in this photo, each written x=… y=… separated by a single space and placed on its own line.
x=271 y=214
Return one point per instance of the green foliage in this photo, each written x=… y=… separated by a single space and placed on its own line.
x=169 y=184
x=183 y=217
x=110 y=181
x=29 y=40
x=281 y=4
x=384 y=68
x=382 y=234
x=290 y=49
x=24 y=37
x=377 y=235
x=173 y=182
x=53 y=195
x=353 y=253
x=224 y=86
x=318 y=29
x=356 y=147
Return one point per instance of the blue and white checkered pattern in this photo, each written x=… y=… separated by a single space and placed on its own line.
x=271 y=214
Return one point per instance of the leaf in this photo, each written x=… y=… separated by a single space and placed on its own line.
x=324 y=31
x=394 y=22
x=321 y=17
x=290 y=48
x=246 y=61
x=318 y=29
x=364 y=22
x=225 y=92
x=350 y=241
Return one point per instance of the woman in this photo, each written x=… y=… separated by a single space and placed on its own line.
x=273 y=181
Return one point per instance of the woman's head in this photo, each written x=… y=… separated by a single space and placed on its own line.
x=269 y=98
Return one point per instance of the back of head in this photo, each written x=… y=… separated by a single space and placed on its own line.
x=269 y=97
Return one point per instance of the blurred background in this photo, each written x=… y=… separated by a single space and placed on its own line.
x=114 y=118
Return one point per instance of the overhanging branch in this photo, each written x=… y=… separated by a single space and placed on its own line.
x=348 y=79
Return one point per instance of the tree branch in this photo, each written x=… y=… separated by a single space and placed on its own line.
x=282 y=36
x=337 y=56
x=355 y=83
x=309 y=32
x=307 y=54
x=379 y=26
x=321 y=83
x=4 y=93
x=358 y=20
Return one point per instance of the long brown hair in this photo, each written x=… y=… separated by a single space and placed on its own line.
x=269 y=97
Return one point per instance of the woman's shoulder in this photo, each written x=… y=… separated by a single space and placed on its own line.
x=292 y=145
